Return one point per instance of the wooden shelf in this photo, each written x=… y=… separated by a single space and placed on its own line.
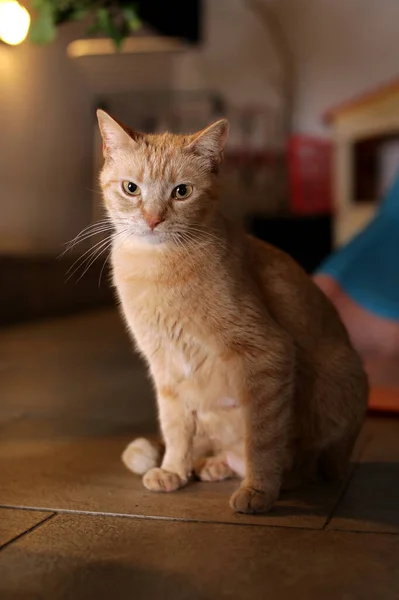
x=132 y=45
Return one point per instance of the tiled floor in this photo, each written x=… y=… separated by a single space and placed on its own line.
x=75 y=524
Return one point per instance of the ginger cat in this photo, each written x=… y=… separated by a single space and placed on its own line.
x=254 y=372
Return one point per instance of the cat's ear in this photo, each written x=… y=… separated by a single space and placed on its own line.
x=115 y=136
x=211 y=141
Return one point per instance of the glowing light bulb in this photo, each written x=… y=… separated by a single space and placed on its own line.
x=14 y=22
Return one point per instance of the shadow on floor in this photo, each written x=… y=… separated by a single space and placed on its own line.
x=80 y=579
x=371 y=497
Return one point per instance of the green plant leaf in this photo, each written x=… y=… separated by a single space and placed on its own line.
x=106 y=23
x=39 y=4
x=43 y=29
x=70 y=14
x=115 y=18
x=131 y=16
x=93 y=29
x=79 y=13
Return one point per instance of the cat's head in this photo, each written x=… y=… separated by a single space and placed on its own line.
x=160 y=188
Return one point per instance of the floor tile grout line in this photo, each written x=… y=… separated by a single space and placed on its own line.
x=27 y=531
x=341 y=495
x=350 y=478
x=89 y=513
x=361 y=531
x=59 y=512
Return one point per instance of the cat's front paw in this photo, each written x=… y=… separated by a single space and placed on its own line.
x=249 y=500
x=159 y=480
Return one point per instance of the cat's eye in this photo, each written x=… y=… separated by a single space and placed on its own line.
x=130 y=188
x=182 y=191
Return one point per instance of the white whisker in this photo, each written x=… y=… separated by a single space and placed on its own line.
x=115 y=237
x=86 y=257
x=99 y=252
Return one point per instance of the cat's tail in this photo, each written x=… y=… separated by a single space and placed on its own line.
x=141 y=455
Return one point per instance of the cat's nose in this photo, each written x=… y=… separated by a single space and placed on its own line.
x=153 y=220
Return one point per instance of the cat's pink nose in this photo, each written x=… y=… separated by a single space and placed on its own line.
x=153 y=220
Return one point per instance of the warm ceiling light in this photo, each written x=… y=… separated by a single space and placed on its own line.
x=14 y=22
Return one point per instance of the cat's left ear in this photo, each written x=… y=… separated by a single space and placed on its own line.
x=211 y=141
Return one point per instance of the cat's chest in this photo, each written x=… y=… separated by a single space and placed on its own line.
x=164 y=324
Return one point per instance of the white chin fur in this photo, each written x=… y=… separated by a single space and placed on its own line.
x=140 y=456
x=153 y=238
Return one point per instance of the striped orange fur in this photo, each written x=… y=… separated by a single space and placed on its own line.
x=254 y=372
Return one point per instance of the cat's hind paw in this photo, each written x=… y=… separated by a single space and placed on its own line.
x=159 y=480
x=213 y=468
x=251 y=501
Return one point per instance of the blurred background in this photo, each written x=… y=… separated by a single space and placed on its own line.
x=311 y=88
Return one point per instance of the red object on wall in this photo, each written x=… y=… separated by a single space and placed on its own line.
x=310 y=175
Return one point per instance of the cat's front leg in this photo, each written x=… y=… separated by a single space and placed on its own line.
x=268 y=414
x=178 y=428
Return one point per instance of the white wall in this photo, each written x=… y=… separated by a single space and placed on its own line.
x=236 y=59
x=341 y=48
x=46 y=126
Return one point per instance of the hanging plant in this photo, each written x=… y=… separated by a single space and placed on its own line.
x=114 y=18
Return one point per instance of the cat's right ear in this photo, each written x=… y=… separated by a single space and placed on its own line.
x=115 y=137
